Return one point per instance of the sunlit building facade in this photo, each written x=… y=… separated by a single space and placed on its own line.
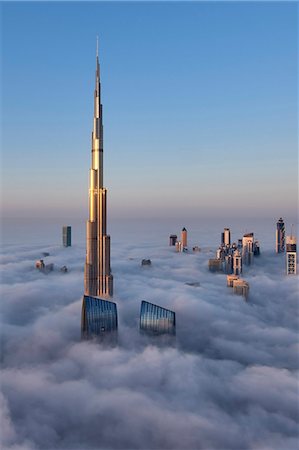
x=156 y=320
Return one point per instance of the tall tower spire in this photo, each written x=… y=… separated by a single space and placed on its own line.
x=98 y=280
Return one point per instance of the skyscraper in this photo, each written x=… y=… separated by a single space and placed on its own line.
x=237 y=263
x=280 y=236
x=66 y=236
x=291 y=255
x=98 y=280
x=184 y=237
x=156 y=320
x=99 y=316
x=225 y=237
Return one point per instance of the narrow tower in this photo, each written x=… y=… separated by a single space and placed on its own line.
x=98 y=280
x=280 y=236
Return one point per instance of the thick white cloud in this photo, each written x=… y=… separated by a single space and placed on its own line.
x=229 y=382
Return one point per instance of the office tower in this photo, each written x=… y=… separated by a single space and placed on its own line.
x=225 y=237
x=156 y=320
x=66 y=236
x=237 y=263
x=291 y=255
x=184 y=237
x=230 y=280
x=98 y=279
x=228 y=264
x=241 y=287
x=99 y=318
x=247 y=248
x=215 y=265
x=256 y=248
x=280 y=236
x=172 y=239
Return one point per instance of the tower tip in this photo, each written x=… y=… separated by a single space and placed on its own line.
x=97 y=54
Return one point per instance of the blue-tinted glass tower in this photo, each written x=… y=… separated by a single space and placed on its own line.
x=156 y=320
x=99 y=317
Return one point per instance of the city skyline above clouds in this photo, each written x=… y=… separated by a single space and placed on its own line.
x=199 y=100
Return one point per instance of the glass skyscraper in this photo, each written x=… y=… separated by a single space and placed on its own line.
x=280 y=236
x=156 y=320
x=66 y=236
x=99 y=317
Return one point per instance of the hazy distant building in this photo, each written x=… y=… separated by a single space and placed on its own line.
x=247 y=248
x=237 y=263
x=156 y=320
x=228 y=264
x=39 y=264
x=215 y=265
x=280 y=236
x=225 y=237
x=184 y=237
x=241 y=287
x=230 y=280
x=98 y=318
x=146 y=262
x=256 y=248
x=67 y=236
x=291 y=255
x=172 y=239
x=42 y=267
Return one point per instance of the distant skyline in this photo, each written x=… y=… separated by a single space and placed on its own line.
x=199 y=108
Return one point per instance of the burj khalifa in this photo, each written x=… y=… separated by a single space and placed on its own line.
x=99 y=315
x=98 y=280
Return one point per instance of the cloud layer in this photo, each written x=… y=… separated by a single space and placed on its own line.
x=228 y=382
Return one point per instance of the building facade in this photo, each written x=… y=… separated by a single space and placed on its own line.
x=98 y=279
x=156 y=320
x=291 y=255
x=280 y=236
x=67 y=236
x=98 y=318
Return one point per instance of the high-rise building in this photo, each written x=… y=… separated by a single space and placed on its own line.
x=225 y=237
x=184 y=237
x=241 y=287
x=99 y=316
x=67 y=236
x=172 y=239
x=247 y=248
x=237 y=263
x=98 y=279
x=156 y=320
x=291 y=255
x=280 y=236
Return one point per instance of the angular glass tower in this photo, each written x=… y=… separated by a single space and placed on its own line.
x=99 y=317
x=156 y=320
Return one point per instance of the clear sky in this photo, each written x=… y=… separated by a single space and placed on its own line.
x=200 y=108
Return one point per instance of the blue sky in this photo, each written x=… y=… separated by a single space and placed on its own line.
x=200 y=108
